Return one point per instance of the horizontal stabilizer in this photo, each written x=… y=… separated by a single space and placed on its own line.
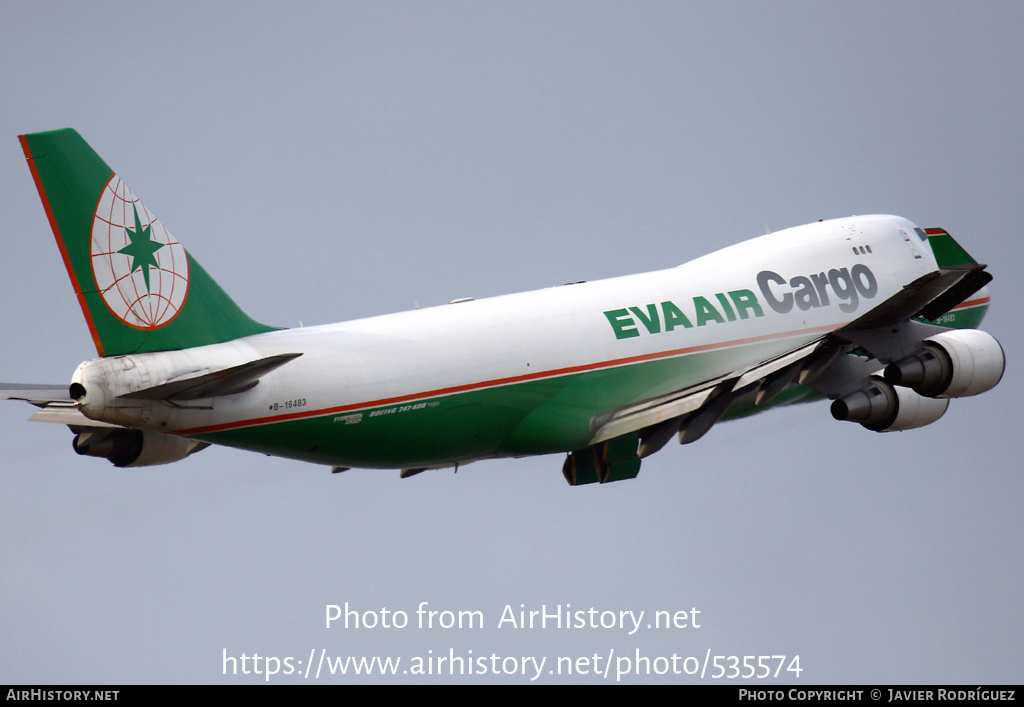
x=68 y=415
x=228 y=381
x=38 y=395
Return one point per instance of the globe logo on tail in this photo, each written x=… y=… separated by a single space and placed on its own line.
x=139 y=268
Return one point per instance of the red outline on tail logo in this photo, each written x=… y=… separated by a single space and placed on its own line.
x=138 y=266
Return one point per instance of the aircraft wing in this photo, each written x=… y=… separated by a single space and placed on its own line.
x=894 y=329
x=677 y=404
x=888 y=332
x=930 y=296
x=692 y=412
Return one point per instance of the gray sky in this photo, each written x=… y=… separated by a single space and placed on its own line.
x=331 y=160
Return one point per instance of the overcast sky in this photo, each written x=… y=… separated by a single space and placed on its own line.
x=330 y=160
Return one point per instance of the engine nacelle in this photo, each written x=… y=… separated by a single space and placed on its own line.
x=125 y=447
x=953 y=364
x=881 y=407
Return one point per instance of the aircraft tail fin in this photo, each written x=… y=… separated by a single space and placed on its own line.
x=139 y=289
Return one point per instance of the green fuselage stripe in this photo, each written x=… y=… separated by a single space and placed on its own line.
x=500 y=382
x=539 y=413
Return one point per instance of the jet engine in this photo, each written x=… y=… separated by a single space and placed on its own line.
x=953 y=364
x=881 y=407
x=128 y=447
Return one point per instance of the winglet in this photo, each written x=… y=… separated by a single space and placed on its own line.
x=947 y=251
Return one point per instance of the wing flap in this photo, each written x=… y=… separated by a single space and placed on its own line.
x=673 y=406
x=655 y=411
x=776 y=364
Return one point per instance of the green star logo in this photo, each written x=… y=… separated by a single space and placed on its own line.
x=141 y=249
x=120 y=220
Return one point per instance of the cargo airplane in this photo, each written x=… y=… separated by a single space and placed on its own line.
x=872 y=312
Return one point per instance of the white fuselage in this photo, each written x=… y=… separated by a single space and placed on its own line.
x=739 y=305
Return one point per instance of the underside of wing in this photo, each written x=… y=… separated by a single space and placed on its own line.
x=899 y=370
x=670 y=413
